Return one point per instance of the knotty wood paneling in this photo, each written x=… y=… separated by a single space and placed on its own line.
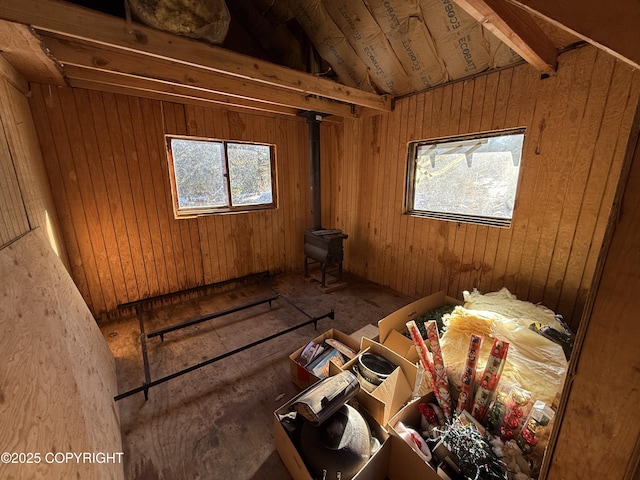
x=105 y=156
x=106 y=162
x=608 y=365
x=578 y=125
x=25 y=197
x=13 y=217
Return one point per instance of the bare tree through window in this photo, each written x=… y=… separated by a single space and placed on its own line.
x=471 y=178
x=215 y=176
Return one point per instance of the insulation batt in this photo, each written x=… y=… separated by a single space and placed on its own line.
x=507 y=304
x=533 y=363
x=331 y=43
x=207 y=19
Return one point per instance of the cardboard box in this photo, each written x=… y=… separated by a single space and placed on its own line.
x=394 y=460
x=405 y=464
x=409 y=415
x=302 y=377
x=368 y=331
x=392 y=326
x=392 y=394
x=374 y=469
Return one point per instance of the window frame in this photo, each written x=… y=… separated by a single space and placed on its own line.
x=192 y=212
x=409 y=191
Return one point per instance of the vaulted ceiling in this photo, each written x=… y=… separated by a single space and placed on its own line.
x=340 y=57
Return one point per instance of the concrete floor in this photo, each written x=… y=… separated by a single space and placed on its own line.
x=217 y=422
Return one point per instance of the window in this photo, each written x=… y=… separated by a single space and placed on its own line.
x=215 y=176
x=465 y=179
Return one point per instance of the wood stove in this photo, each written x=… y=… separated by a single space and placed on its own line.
x=320 y=245
x=325 y=247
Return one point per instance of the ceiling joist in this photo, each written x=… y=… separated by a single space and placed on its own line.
x=110 y=82
x=132 y=69
x=517 y=29
x=78 y=23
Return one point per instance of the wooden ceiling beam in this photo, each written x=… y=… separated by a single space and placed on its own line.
x=22 y=49
x=172 y=78
x=611 y=26
x=13 y=76
x=108 y=82
x=517 y=29
x=77 y=22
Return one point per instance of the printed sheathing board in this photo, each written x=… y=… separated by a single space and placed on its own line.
x=370 y=43
x=331 y=43
x=459 y=38
x=402 y=24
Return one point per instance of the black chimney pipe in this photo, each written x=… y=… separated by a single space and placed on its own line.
x=314 y=119
x=320 y=245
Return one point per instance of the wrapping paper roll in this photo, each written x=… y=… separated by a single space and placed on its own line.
x=423 y=353
x=469 y=375
x=440 y=379
x=490 y=378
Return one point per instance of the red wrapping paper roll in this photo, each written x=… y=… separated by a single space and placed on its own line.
x=440 y=380
x=423 y=354
x=490 y=378
x=469 y=375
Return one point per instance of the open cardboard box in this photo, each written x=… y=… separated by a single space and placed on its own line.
x=409 y=415
x=394 y=460
x=302 y=377
x=368 y=331
x=374 y=469
x=405 y=464
x=389 y=397
x=392 y=326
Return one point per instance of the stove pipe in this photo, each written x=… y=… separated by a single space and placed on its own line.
x=314 y=119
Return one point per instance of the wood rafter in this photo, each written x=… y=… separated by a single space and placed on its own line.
x=611 y=26
x=80 y=24
x=517 y=29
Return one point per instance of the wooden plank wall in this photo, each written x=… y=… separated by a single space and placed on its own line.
x=26 y=201
x=106 y=161
x=608 y=366
x=58 y=374
x=339 y=153
x=578 y=125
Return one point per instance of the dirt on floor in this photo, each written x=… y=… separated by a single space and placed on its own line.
x=216 y=422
